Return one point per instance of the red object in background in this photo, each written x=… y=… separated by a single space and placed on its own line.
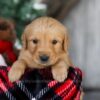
x=7 y=47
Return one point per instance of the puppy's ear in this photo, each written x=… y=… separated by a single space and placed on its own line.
x=66 y=47
x=24 y=41
x=66 y=42
x=24 y=37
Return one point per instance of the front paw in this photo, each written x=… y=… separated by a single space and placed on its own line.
x=14 y=74
x=59 y=75
x=16 y=71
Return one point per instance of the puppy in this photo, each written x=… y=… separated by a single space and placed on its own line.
x=44 y=44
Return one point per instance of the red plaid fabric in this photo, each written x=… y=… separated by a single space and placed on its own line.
x=34 y=86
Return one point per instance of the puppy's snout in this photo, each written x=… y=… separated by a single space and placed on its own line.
x=44 y=58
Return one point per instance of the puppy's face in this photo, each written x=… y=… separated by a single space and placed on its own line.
x=46 y=39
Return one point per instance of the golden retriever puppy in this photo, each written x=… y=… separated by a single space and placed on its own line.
x=45 y=44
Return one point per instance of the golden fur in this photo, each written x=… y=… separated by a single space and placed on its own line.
x=47 y=36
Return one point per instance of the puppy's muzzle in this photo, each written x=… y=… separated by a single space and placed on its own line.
x=44 y=58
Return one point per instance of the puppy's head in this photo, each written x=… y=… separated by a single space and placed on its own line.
x=46 y=39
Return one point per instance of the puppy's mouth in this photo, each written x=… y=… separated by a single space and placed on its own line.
x=45 y=64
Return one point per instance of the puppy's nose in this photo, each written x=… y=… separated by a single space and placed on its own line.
x=44 y=58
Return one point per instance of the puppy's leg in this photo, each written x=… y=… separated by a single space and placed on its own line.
x=17 y=70
x=59 y=71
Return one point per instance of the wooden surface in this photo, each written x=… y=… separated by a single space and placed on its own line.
x=84 y=26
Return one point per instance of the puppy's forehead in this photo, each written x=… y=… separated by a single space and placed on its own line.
x=46 y=25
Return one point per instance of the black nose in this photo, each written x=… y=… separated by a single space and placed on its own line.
x=44 y=58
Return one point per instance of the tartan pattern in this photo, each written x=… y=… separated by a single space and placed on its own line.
x=34 y=85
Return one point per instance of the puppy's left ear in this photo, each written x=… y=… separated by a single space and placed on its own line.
x=66 y=42
x=66 y=47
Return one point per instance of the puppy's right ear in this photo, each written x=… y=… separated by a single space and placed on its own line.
x=24 y=41
x=25 y=36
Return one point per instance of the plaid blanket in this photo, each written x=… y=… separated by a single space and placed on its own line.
x=35 y=85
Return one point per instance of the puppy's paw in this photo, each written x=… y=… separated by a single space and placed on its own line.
x=59 y=75
x=15 y=72
x=14 y=75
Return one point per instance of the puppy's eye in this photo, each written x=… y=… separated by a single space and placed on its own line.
x=35 y=41
x=54 y=42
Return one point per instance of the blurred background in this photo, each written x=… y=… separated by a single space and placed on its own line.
x=81 y=17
